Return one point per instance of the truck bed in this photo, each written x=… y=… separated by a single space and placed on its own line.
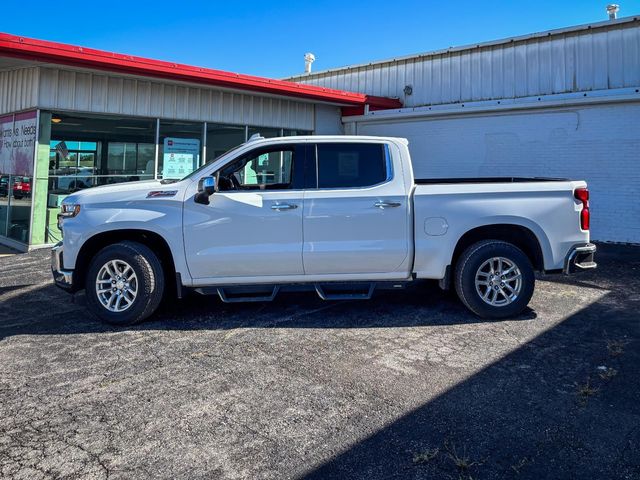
x=446 y=208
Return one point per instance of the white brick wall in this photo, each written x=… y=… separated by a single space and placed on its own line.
x=599 y=144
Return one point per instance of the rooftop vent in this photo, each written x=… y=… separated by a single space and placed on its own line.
x=309 y=58
x=612 y=11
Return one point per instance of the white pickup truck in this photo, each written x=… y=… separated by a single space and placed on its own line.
x=341 y=215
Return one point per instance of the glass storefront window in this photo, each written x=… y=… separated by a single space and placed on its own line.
x=86 y=151
x=180 y=149
x=6 y=182
x=292 y=133
x=266 y=132
x=71 y=165
x=134 y=159
x=17 y=150
x=222 y=138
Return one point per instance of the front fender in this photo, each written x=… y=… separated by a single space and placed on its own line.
x=161 y=218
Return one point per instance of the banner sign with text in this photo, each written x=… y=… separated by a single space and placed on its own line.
x=17 y=143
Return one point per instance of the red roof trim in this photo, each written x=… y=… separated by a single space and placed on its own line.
x=60 y=53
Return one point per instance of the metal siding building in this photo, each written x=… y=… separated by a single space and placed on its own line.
x=559 y=103
x=594 y=57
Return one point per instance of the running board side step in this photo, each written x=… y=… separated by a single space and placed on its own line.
x=324 y=294
x=326 y=291
x=229 y=296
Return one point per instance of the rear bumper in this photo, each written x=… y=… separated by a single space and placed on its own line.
x=580 y=258
x=62 y=278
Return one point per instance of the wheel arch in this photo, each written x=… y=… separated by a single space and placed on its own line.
x=521 y=236
x=151 y=239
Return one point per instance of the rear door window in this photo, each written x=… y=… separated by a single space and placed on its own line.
x=351 y=165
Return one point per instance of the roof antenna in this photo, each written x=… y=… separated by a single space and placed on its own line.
x=309 y=58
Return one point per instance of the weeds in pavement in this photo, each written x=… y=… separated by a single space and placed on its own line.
x=518 y=466
x=425 y=456
x=460 y=460
x=586 y=390
x=616 y=347
x=608 y=374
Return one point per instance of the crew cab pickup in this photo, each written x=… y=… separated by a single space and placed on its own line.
x=340 y=215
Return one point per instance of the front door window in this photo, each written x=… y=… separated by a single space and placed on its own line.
x=270 y=169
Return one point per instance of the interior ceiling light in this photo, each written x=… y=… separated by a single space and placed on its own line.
x=55 y=120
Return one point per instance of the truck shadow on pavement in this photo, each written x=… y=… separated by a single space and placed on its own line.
x=47 y=310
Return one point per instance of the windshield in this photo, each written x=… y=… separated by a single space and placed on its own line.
x=199 y=170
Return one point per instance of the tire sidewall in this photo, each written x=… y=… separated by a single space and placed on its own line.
x=473 y=258
x=148 y=284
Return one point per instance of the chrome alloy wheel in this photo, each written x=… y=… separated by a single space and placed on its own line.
x=116 y=286
x=498 y=281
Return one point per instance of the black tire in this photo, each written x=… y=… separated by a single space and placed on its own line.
x=467 y=268
x=149 y=276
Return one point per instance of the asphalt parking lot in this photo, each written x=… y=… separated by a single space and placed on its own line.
x=407 y=385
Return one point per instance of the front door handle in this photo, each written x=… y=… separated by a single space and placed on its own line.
x=283 y=206
x=387 y=204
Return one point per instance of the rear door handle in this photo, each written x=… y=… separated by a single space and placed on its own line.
x=283 y=206
x=387 y=204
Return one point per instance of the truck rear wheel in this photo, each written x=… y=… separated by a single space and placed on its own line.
x=124 y=283
x=494 y=279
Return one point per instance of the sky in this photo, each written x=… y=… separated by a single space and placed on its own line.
x=270 y=38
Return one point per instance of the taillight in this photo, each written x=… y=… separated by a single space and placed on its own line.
x=582 y=195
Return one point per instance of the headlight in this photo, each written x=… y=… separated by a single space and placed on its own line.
x=69 y=210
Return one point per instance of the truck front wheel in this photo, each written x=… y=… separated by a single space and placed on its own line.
x=494 y=279
x=124 y=283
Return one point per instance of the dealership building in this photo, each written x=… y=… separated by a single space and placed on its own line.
x=563 y=103
x=74 y=118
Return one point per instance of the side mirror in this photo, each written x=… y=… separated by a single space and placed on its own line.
x=206 y=188
x=209 y=185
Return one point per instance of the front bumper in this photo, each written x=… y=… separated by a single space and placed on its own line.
x=62 y=278
x=580 y=258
